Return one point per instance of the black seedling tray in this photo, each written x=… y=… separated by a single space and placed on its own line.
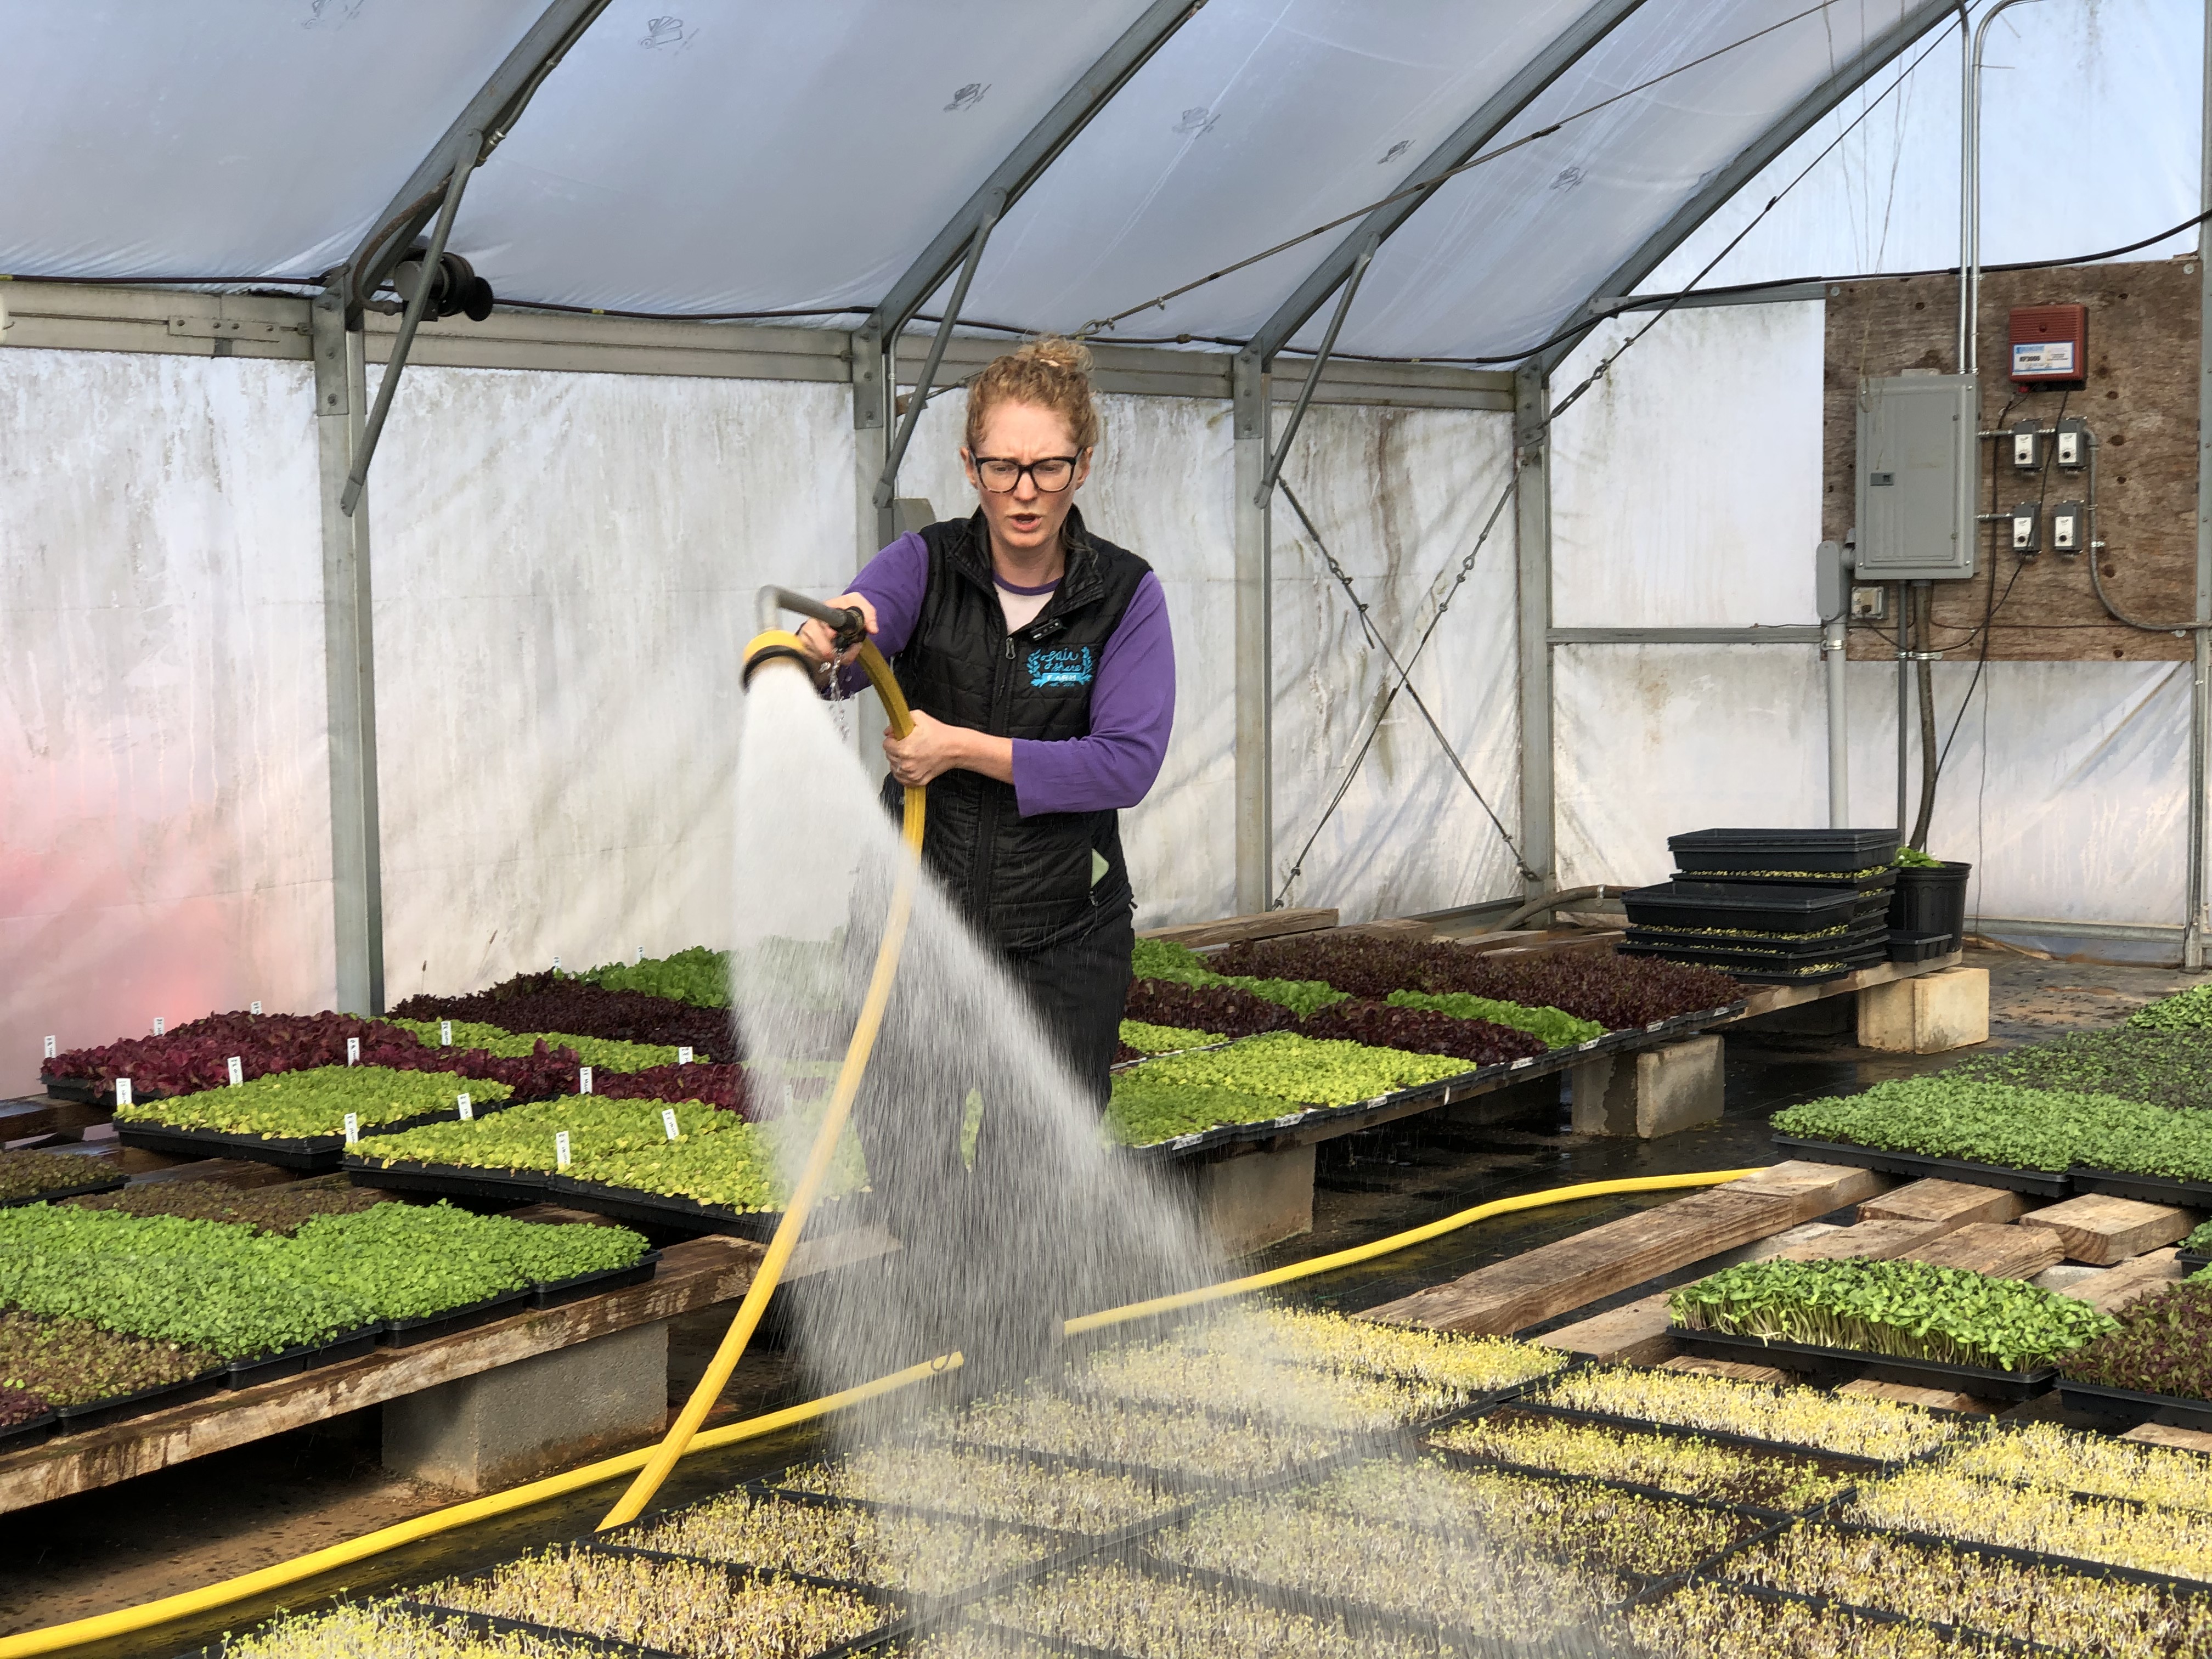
x=86 y=1091
x=558 y=1293
x=109 y=1184
x=1776 y=949
x=1917 y=947
x=1757 y=970
x=659 y=1210
x=2174 y=1410
x=29 y=1431
x=2149 y=1189
x=406 y=1332
x=2192 y=1259
x=1836 y=851
x=73 y=1419
x=503 y=1186
x=1755 y=907
x=310 y=1154
x=2037 y=1184
x=1866 y=887
x=1985 y=1381
x=307 y=1357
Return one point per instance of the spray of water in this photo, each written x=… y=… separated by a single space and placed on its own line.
x=977 y=1163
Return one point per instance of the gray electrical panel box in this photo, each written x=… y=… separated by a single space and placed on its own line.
x=1918 y=477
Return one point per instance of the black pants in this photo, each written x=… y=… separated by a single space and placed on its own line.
x=985 y=1208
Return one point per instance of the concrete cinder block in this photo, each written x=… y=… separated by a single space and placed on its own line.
x=1929 y=1014
x=1658 y=1092
x=500 y=1427
x=1260 y=1199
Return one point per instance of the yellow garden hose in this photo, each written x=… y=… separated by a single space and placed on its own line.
x=56 y=1638
x=772 y=646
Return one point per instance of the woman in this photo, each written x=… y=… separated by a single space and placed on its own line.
x=1037 y=662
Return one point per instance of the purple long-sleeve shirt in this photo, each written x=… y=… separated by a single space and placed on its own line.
x=1131 y=699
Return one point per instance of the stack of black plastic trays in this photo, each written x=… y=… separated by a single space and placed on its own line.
x=1771 y=906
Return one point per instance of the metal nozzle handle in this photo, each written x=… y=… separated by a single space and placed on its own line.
x=849 y=626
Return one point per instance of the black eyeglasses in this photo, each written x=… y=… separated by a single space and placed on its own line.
x=1051 y=475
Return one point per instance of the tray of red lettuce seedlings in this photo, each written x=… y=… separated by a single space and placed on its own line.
x=1228 y=1009
x=717 y=1084
x=1617 y=992
x=554 y=1002
x=1421 y=1031
x=2159 y=1360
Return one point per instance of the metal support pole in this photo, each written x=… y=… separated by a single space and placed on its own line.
x=1254 y=646
x=1903 y=623
x=349 y=665
x=1282 y=447
x=1532 y=526
x=872 y=399
x=887 y=485
x=2200 y=686
x=418 y=303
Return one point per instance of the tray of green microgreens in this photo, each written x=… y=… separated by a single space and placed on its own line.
x=36 y=1177
x=297 y=1119
x=1897 y=1321
x=717 y=1172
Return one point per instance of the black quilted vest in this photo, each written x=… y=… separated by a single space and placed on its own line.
x=1025 y=883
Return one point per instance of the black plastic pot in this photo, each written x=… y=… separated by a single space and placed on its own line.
x=2037 y=1184
x=1985 y=1381
x=1931 y=901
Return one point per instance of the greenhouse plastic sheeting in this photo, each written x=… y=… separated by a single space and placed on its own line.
x=164 y=798
x=766 y=157
x=1686 y=486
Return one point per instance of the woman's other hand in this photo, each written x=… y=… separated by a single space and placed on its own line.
x=933 y=749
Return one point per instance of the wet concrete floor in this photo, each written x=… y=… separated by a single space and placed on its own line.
x=238 y=1510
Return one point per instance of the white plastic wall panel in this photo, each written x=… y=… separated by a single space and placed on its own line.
x=1502 y=255
x=760 y=155
x=1163 y=488
x=164 y=795
x=225 y=137
x=1402 y=498
x=2067 y=786
x=1258 y=119
x=1686 y=486
x=1652 y=740
x=2089 y=141
x=565 y=566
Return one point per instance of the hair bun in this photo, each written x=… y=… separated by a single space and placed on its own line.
x=1055 y=351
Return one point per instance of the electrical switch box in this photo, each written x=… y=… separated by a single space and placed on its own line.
x=1870 y=604
x=1919 y=464
x=2027 y=447
x=2073 y=444
x=2050 y=345
x=2026 y=522
x=2070 y=527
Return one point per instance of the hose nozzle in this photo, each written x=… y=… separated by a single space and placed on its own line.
x=775 y=645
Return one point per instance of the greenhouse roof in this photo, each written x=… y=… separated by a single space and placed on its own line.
x=834 y=160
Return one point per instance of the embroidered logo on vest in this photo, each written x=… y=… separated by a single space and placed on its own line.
x=1067 y=666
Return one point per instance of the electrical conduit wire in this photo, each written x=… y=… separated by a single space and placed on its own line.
x=59 y=1638
x=808 y=1186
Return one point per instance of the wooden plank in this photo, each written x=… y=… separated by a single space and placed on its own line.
x=1399 y=927
x=2104 y=1230
x=1541 y=1284
x=2160 y=1434
x=696 y=1273
x=1991 y=1248
x=1942 y=1400
x=1735 y=1369
x=1870 y=1240
x=1765 y=998
x=1231 y=930
x=1954 y=1203
x=1583 y=944
x=2114 y=1288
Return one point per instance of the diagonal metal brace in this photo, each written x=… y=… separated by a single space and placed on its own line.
x=1313 y=373
x=887 y=485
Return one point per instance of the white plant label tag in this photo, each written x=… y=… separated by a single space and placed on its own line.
x=256 y=1008
x=353 y=1051
x=157 y=1025
x=50 y=1053
x=123 y=1092
x=352 y=1128
x=237 y=1071
x=583 y=1079
x=556 y=964
x=445 y=1034
x=468 y=1109
x=668 y=1121
x=560 y=1149
x=640 y=953
x=683 y=1053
